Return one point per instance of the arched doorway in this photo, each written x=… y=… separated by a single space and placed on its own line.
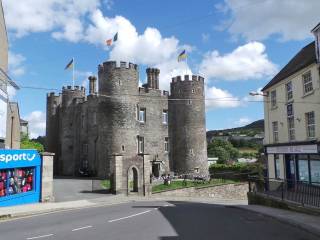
x=133 y=180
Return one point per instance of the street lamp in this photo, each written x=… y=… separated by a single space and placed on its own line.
x=253 y=93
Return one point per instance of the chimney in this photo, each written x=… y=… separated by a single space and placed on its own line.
x=316 y=33
x=150 y=77
x=153 y=78
x=92 y=85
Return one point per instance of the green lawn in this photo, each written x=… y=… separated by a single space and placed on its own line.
x=177 y=184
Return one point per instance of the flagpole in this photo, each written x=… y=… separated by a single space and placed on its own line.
x=73 y=73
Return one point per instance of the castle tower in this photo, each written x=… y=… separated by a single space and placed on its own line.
x=52 y=124
x=69 y=121
x=187 y=126
x=118 y=100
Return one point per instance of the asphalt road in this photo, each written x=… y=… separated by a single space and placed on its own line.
x=151 y=220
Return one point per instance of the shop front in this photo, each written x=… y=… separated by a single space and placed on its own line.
x=20 y=177
x=294 y=163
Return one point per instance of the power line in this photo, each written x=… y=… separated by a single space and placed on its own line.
x=161 y=98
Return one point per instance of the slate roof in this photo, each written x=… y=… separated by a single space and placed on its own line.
x=304 y=58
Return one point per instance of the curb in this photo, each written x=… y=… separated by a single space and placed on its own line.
x=293 y=223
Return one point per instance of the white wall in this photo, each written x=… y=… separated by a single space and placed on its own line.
x=3 y=115
x=301 y=105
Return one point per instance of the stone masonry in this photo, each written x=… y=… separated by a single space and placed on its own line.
x=90 y=134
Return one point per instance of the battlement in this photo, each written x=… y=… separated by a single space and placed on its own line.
x=52 y=94
x=194 y=78
x=117 y=65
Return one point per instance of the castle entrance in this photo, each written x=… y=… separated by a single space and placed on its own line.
x=133 y=180
x=156 y=169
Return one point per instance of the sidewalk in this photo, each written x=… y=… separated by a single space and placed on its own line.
x=43 y=208
x=306 y=222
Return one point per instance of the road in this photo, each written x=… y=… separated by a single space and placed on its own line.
x=151 y=220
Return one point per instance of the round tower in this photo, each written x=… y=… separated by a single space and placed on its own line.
x=115 y=80
x=118 y=100
x=187 y=125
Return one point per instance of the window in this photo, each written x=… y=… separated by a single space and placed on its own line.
x=273 y=98
x=15 y=181
x=307 y=82
x=275 y=131
x=166 y=144
x=289 y=91
x=82 y=121
x=193 y=91
x=85 y=149
x=315 y=171
x=189 y=102
x=165 y=116
x=142 y=115
x=122 y=148
x=290 y=117
x=303 y=167
x=191 y=150
x=277 y=165
x=140 y=144
x=311 y=125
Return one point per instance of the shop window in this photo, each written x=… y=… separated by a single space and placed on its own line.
x=315 y=171
x=303 y=168
x=307 y=82
x=277 y=165
x=311 y=125
x=16 y=181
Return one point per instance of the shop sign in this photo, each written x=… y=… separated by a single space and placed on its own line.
x=19 y=158
x=299 y=149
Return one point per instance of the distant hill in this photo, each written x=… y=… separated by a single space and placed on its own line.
x=251 y=129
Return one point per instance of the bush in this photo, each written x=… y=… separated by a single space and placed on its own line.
x=26 y=143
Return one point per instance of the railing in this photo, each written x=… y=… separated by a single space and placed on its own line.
x=299 y=192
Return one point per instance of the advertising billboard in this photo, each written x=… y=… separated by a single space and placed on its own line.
x=3 y=114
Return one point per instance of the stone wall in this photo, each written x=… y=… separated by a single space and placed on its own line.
x=47 y=177
x=225 y=191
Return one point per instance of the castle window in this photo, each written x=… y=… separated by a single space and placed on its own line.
x=189 y=102
x=122 y=148
x=191 y=150
x=140 y=144
x=165 y=117
x=142 y=115
x=193 y=91
x=85 y=149
x=166 y=144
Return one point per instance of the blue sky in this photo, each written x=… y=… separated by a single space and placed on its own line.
x=237 y=45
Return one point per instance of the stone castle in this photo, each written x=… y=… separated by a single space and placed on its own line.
x=125 y=131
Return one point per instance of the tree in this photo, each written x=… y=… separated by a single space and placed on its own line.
x=26 y=143
x=222 y=150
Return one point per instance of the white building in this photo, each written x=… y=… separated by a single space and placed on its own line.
x=7 y=122
x=292 y=119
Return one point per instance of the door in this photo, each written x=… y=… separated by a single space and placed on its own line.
x=290 y=170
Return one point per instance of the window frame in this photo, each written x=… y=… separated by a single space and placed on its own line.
x=165 y=117
x=290 y=122
x=141 y=110
x=310 y=125
x=140 y=144
x=289 y=91
x=306 y=85
x=166 y=144
x=275 y=132
x=277 y=168
x=273 y=98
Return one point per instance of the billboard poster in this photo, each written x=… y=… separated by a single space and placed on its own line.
x=3 y=114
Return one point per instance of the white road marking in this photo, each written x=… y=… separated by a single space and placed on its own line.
x=43 y=236
x=80 y=228
x=115 y=220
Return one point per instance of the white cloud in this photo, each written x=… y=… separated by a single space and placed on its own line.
x=219 y=98
x=246 y=62
x=147 y=48
x=37 y=123
x=258 y=20
x=11 y=92
x=16 y=62
x=64 y=17
x=243 y=121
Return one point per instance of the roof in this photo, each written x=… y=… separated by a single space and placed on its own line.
x=302 y=59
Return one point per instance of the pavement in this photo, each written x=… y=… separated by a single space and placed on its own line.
x=153 y=219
